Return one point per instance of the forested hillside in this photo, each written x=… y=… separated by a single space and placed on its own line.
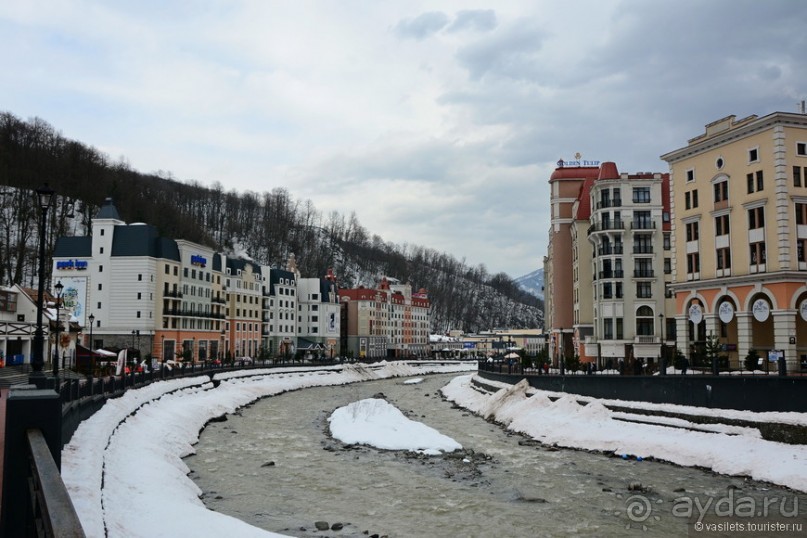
x=267 y=227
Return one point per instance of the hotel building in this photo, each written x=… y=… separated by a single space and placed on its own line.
x=739 y=199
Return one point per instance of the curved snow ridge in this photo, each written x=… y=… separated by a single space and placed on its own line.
x=123 y=467
x=378 y=423
x=567 y=423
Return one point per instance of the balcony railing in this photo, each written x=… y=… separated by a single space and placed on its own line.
x=642 y=225
x=643 y=249
x=606 y=225
x=643 y=273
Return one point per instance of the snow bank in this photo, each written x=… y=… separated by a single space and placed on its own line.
x=567 y=423
x=123 y=467
x=378 y=423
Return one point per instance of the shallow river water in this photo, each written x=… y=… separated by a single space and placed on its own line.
x=274 y=466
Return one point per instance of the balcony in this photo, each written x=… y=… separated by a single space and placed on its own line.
x=603 y=204
x=174 y=294
x=642 y=225
x=646 y=339
x=643 y=273
x=643 y=249
x=606 y=226
x=609 y=249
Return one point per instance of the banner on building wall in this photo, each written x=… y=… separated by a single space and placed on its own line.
x=695 y=314
x=74 y=296
x=761 y=310
x=332 y=322
x=726 y=312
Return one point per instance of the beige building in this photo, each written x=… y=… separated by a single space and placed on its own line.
x=624 y=266
x=608 y=263
x=739 y=199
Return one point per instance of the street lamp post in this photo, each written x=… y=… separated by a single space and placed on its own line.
x=663 y=358
x=59 y=288
x=91 y=319
x=133 y=362
x=44 y=197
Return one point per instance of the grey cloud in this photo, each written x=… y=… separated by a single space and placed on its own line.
x=482 y=20
x=422 y=26
x=509 y=52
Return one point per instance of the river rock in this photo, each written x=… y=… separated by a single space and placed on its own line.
x=337 y=527
x=322 y=525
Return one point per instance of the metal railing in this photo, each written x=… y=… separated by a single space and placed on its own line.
x=53 y=512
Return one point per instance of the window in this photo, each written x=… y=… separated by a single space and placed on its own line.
x=721 y=191
x=801 y=213
x=690 y=175
x=139 y=295
x=140 y=277
x=797 y=176
x=667 y=244
x=619 y=290
x=100 y=268
x=722 y=225
x=724 y=258
x=606 y=291
x=687 y=200
x=756 y=218
x=645 y=323
x=801 y=148
x=757 y=252
x=167 y=269
x=644 y=290
x=643 y=244
x=138 y=313
x=754 y=186
x=643 y=267
x=753 y=155
x=100 y=287
x=641 y=195
x=693 y=263
x=102 y=231
x=667 y=266
x=641 y=220
x=692 y=231
x=8 y=301
x=608 y=329
x=800 y=249
x=101 y=250
x=98 y=306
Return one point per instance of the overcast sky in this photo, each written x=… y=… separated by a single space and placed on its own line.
x=437 y=122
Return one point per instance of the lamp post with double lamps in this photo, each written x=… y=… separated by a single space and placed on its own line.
x=59 y=288
x=44 y=198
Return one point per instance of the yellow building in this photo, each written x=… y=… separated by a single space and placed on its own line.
x=739 y=200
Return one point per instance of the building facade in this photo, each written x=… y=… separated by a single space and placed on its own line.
x=387 y=322
x=608 y=263
x=739 y=199
x=630 y=259
x=319 y=315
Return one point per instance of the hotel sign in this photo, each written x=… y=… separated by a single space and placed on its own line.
x=761 y=310
x=198 y=260
x=70 y=265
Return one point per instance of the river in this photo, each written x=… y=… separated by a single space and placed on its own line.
x=273 y=465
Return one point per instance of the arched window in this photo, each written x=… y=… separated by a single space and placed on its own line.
x=644 y=321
